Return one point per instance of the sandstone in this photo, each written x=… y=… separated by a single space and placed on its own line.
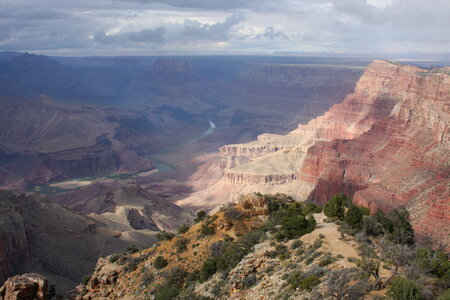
x=254 y=205
x=24 y=287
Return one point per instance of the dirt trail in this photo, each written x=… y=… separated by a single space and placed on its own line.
x=332 y=241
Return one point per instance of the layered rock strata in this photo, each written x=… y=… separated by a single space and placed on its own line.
x=386 y=144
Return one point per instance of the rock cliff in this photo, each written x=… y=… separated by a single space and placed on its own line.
x=277 y=97
x=386 y=144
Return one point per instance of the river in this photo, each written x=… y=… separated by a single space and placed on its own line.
x=162 y=166
x=165 y=167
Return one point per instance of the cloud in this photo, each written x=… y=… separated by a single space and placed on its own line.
x=203 y=4
x=194 y=30
x=237 y=25
x=187 y=31
x=147 y=36
x=272 y=34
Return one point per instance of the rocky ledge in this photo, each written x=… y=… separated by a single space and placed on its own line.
x=25 y=287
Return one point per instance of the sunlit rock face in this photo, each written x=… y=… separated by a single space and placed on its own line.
x=386 y=145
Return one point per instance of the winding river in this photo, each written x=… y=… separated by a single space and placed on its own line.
x=161 y=166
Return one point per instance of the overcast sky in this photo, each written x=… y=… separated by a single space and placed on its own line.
x=87 y=27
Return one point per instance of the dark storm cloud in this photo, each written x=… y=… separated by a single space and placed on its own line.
x=202 y=4
x=264 y=25
x=217 y=31
x=32 y=14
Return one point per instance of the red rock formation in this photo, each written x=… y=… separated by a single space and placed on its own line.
x=387 y=144
x=403 y=159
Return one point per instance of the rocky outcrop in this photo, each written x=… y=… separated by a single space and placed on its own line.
x=254 y=205
x=25 y=287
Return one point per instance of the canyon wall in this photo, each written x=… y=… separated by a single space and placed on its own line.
x=42 y=140
x=386 y=144
x=276 y=97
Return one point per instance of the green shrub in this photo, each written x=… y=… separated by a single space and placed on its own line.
x=335 y=207
x=249 y=281
x=132 y=263
x=300 y=252
x=201 y=215
x=298 y=279
x=317 y=243
x=232 y=254
x=354 y=217
x=280 y=251
x=293 y=223
x=437 y=262
x=326 y=260
x=147 y=278
x=85 y=280
x=164 y=236
x=404 y=289
x=176 y=274
x=209 y=268
x=372 y=226
x=114 y=257
x=296 y=244
x=181 y=244
x=132 y=249
x=402 y=233
x=160 y=262
x=207 y=227
x=217 y=248
x=310 y=258
x=395 y=225
x=309 y=282
x=445 y=296
x=310 y=208
x=192 y=277
x=231 y=214
x=183 y=228
x=167 y=291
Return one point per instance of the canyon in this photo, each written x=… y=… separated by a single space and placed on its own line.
x=100 y=178
x=153 y=104
x=94 y=151
x=386 y=145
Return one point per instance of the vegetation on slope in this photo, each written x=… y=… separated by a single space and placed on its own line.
x=267 y=245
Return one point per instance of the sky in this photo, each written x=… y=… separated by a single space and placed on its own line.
x=124 y=27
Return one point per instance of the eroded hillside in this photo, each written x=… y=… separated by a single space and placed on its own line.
x=272 y=247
